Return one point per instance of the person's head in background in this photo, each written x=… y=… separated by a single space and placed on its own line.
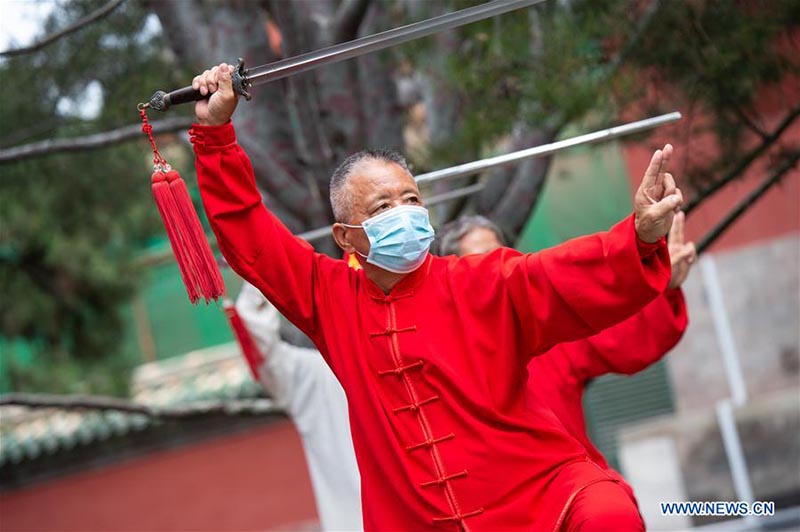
x=468 y=235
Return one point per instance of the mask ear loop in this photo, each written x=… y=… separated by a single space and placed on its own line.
x=356 y=227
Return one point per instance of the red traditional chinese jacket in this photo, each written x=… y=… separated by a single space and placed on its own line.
x=559 y=378
x=434 y=371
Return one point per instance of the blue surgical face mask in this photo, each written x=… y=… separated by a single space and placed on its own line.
x=399 y=238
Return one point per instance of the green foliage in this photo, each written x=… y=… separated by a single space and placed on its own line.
x=566 y=61
x=106 y=376
x=70 y=224
x=720 y=57
x=721 y=53
x=545 y=68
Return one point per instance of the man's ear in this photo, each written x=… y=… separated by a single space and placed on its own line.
x=340 y=236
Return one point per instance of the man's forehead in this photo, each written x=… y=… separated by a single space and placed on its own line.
x=377 y=178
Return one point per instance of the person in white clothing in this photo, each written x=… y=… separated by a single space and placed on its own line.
x=300 y=382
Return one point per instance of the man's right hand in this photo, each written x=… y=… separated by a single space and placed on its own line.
x=218 y=109
x=658 y=198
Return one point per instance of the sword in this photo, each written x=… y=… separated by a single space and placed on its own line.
x=244 y=78
x=548 y=149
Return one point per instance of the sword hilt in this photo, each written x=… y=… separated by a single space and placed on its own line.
x=161 y=101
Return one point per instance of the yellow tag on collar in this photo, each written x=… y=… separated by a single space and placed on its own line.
x=352 y=261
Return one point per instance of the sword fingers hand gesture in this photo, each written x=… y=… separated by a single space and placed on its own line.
x=658 y=198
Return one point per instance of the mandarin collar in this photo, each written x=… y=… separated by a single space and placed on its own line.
x=405 y=287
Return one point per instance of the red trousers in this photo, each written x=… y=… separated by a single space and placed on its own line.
x=602 y=507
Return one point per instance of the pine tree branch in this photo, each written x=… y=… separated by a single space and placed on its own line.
x=744 y=163
x=72 y=28
x=93 y=141
x=250 y=407
x=21 y=135
x=747 y=121
x=746 y=203
x=517 y=194
x=647 y=18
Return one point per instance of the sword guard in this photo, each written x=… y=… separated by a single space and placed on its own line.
x=161 y=101
x=240 y=82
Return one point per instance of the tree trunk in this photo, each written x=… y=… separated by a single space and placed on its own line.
x=512 y=192
x=296 y=131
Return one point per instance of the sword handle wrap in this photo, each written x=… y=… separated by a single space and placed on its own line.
x=161 y=101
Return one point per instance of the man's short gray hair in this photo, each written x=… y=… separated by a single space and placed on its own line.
x=449 y=236
x=341 y=200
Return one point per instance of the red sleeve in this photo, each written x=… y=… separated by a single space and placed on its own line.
x=255 y=243
x=634 y=344
x=587 y=284
x=565 y=293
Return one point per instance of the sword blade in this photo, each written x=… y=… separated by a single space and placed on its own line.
x=243 y=78
x=548 y=149
x=372 y=43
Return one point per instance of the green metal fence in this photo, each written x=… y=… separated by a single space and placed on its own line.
x=174 y=325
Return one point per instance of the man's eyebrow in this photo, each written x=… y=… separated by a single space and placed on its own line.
x=383 y=196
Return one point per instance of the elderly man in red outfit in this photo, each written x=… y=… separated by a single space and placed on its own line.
x=431 y=352
x=559 y=377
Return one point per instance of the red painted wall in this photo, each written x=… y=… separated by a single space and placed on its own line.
x=775 y=214
x=252 y=481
